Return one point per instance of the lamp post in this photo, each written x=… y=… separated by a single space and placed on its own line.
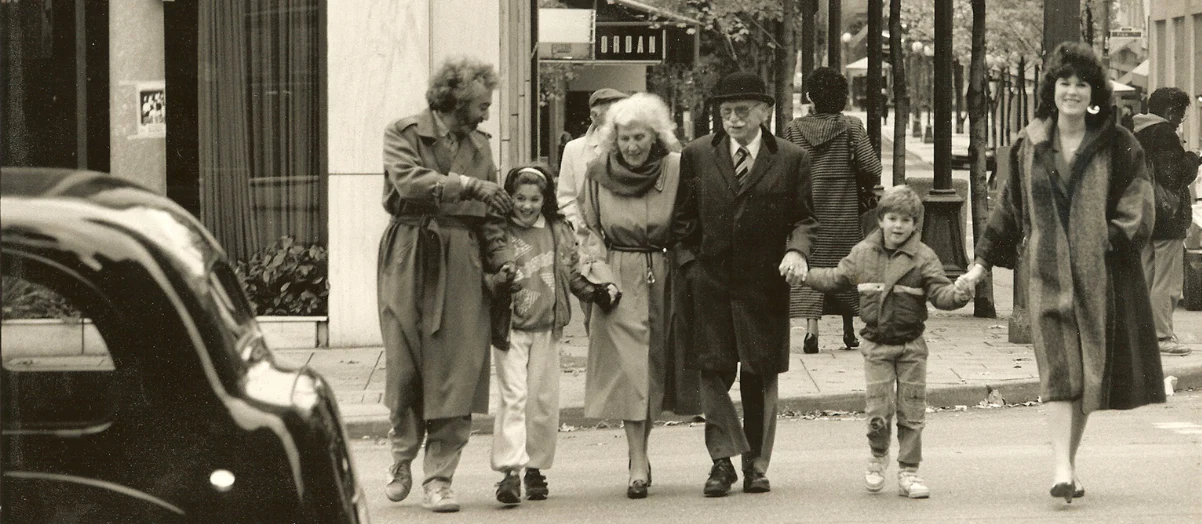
x=943 y=223
x=846 y=38
x=919 y=76
x=928 y=137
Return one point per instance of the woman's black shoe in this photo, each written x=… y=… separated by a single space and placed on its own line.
x=811 y=344
x=1063 y=490
x=850 y=342
x=637 y=490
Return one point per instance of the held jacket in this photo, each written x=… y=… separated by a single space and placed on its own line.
x=893 y=289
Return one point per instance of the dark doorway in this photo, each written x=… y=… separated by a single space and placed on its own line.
x=55 y=95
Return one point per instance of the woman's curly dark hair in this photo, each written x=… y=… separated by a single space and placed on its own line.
x=827 y=89
x=1076 y=58
x=545 y=183
x=457 y=81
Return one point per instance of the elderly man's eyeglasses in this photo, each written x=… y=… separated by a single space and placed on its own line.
x=741 y=111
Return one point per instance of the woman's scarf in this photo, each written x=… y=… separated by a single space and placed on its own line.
x=613 y=173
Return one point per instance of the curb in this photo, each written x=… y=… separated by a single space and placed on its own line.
x=1015 y=392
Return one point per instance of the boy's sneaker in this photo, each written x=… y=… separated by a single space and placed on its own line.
x=509 y=490
x=1170 y=346
x=874 y=477
x=536 y=485
x=909 y=484
x=439 y=498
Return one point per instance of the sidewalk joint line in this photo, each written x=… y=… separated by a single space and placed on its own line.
x=375 y=365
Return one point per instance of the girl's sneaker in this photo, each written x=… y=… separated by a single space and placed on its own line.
x=509 y=490
x=874 y=477
x=536 y=485
x=909 y=484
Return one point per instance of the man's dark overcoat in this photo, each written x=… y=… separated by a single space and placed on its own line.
x=730 y=240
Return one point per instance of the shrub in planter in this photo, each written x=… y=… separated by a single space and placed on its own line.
x=286 y=279
x=26 y=300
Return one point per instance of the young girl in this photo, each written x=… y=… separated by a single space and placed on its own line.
x=530 y=309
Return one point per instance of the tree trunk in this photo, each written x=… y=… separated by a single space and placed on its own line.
x=786 y=62
x=978 y=107
x=901 y=100
x=809 y=10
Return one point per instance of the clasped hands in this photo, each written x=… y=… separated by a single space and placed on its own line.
x=967 y=283
x=503 y=281
x=794 y=268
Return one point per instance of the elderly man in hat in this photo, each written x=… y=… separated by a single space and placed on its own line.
x=744 y=223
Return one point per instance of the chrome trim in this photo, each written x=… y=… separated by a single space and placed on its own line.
x=124 y=490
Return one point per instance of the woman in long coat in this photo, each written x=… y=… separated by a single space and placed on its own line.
x=634 y=372
x=839 y=150
x=1076 y=208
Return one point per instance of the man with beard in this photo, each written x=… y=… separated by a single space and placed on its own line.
x=446 y=230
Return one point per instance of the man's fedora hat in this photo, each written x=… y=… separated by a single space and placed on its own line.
x=604 y=95
x=741 y=86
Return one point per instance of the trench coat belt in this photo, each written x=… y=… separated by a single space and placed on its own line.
x=432 y=258
x=648 y=250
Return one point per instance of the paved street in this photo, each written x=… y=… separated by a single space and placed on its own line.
x=983 y=465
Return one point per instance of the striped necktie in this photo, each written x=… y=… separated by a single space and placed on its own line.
x=742 y=164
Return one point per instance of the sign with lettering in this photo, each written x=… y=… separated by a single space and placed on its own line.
x=629 y=43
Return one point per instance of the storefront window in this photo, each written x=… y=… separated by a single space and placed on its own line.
x=259 y=122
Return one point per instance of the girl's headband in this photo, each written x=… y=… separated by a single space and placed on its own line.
x=533 y=171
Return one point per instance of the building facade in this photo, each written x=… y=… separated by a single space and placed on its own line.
x=277 y=110
x=1175 y=57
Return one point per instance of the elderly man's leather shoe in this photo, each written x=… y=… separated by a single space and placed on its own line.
x=722 y=475
x=755 y=482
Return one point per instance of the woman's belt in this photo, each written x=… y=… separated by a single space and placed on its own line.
x=648 y=250
x=637 y=249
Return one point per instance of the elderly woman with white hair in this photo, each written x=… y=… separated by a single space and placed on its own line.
x=635 y=369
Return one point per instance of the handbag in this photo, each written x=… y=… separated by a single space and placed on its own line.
x=866 y=197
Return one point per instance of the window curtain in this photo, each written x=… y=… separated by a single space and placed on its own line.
x=224 y=127
x=260 y=61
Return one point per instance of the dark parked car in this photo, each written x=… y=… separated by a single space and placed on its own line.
x=177 y=411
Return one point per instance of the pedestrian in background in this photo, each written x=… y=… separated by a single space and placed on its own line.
x=1075 y=175
x=744 y=225
x=1173 y=170
x=842 y=164
x=447 y=228
x=573 y=166
x=634 y=371
x=894 y=274
x=530 y=310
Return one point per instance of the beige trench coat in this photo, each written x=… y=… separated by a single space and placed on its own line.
x=433 y=306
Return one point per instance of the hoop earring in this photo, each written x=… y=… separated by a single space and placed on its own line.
x=1093 y=110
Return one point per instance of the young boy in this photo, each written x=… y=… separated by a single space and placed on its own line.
x=895 y=274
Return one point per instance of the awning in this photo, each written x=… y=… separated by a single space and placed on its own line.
x=1141 y=69
x=1120 y=87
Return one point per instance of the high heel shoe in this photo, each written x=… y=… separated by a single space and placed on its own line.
x=1078 y=489
x=1063 y=490
x=811 y=344
x=850 y=342
x=637 y=490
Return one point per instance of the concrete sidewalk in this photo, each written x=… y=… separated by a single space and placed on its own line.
x=969 y=358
